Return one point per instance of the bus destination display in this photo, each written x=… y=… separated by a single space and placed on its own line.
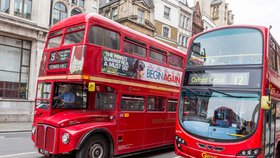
x=228 y=78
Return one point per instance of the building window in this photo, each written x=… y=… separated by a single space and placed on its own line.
x=215 y=13
x=75 y=2
x=23 y=8
x=183 y=40
x=81 y=3
x=114 y=13
x=140 y=18
x=4 y=6
x=59 y=12
x=183 y=21
x=166 y=12
x=186 y=22
x=75 y=11
x=165 y=31
x=107 y=13
x=14 y=67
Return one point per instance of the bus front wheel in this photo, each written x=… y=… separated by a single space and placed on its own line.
x=96 y=147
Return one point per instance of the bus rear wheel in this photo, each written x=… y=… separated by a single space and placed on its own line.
x=95 y=147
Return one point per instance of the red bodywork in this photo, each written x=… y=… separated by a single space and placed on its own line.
x=128 y=131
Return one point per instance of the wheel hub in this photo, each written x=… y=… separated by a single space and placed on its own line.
x=96 y=151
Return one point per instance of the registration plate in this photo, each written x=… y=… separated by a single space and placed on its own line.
x=44 y=152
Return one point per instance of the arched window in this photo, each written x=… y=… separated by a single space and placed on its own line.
x=75 y=11
x=59 y=12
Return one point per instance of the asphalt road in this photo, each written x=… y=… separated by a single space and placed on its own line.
x=20 y=145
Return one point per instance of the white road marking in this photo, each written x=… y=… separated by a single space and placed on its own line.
x=1 y=137
x=5 y=138
x=178 y=157
x=9 y=133
x=18 y=154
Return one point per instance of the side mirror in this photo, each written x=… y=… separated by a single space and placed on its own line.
x=91 y=86
x=265 y=102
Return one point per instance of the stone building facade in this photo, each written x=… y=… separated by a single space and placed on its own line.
x=166 y=21
x=215 y=13
x=197 y=25
x=135 y=14
x=24 y=26
x=185 y=25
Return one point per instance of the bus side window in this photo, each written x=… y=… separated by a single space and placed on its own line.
x=156 y=103
x=132 y=103
x=105 y=100
x=171 y=105
x=104 y=37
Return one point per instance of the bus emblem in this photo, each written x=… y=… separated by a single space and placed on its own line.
x=205 y=155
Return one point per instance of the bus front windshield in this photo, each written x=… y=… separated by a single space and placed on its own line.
x=229 y=46
x=69 y=96
x=218 y=115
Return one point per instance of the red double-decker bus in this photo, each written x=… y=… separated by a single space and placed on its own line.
x=104 y=89
x=229 y=101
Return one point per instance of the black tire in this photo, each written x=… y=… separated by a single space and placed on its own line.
x=96 y=146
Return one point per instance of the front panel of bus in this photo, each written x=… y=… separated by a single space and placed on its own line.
x=219 y=113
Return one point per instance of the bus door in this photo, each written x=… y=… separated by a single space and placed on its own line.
x=42 y=100
x=155 y=121
x=130 y=123
x=270 y=130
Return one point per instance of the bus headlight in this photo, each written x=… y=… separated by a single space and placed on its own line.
x=179 y=141
x=33 y=129
x=250 y=152
x=65 y=138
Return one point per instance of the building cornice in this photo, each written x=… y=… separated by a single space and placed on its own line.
x=172 y=4
x=133 y=18
x=17 y=21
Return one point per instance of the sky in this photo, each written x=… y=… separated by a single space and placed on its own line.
x=257 y=12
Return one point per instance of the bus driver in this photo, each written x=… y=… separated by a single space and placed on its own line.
x=68 y=96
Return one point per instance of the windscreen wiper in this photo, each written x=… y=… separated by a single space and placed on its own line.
x=190 y=90
x=217 y=91
x=195 y=92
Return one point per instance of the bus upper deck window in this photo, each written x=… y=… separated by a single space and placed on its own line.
x=104 y=37
x=54 y=41
x=74 y=35
x=55 y=38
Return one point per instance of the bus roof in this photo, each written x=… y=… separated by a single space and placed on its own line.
x=259 y=27
x=81 y=18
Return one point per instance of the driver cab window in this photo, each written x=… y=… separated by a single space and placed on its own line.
x=71 y=96
x=43 y=95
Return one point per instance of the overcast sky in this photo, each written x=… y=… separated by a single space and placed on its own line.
x=257 y=12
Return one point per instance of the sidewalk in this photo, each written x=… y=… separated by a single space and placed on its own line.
x=15 y=127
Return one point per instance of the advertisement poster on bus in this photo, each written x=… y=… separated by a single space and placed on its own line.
x=121 y=65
